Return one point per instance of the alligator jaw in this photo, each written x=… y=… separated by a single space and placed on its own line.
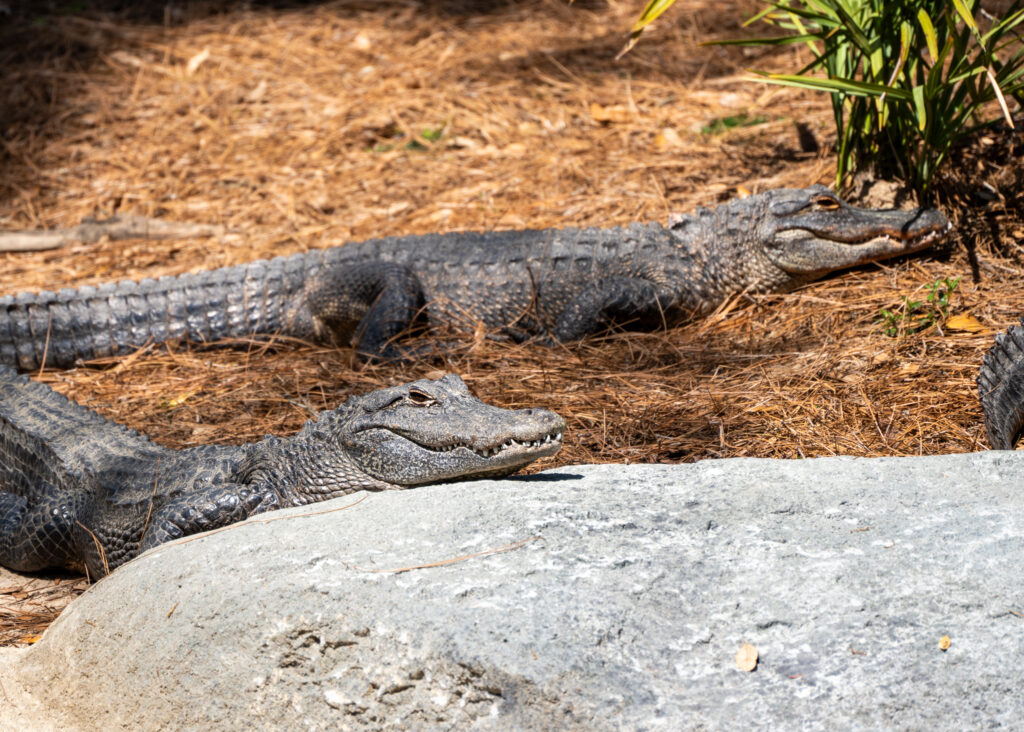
x=511 y=450
x=900 y=242
x=807 y=251
x=901 y=238
x=849 y=225
x=460 y=460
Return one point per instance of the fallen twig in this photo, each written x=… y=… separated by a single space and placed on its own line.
x=92 y=230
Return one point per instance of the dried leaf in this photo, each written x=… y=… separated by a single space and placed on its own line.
x=257 y=94
x=964 y=322
x=514 y=150
x=746 y=657
x=944 y=643
x=438 y=216
x=196 y=61
x=618 y=113
x=181 y=398
x=128 y=59
x=362 y=41
x=668 y=139
x=31 y=638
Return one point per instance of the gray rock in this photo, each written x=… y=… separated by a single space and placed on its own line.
x=621 y=604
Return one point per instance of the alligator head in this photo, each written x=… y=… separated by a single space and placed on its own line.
x=784 y=238
x=427 y=431
x=811 y=232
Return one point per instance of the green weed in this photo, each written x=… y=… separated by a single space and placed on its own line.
x=721 y=124
x=909 y=79
x=419 y=143
x=912 y=316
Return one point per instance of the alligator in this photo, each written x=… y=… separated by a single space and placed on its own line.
x=81 y=492
x=1001 y=388
x=553 y=285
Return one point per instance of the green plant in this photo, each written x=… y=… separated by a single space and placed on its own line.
x=721 y=124
x=912 y=316
x=909 y=79
x=652 y=10
x=419 y=143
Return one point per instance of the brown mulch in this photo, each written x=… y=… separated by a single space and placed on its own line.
x=304 y=127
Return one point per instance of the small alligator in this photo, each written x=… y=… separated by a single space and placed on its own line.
x=79 y=491
x=1001 y=388
x=552 y=284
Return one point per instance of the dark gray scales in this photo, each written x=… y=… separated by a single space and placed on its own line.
x=77 y=490
x=1001 y=388
x=550 y=285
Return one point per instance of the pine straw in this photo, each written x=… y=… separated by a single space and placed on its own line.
x=29 y=604
x=302 y=128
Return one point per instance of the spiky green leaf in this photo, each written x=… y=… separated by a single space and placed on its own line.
x=650 y=13
x=929 y=34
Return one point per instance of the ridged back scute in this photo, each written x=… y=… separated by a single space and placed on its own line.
x=1001 y=388
x=61 y=328
x=30 y=466
x=500 y=246
x=79 y=438
x=328 y=423
x=31 y=469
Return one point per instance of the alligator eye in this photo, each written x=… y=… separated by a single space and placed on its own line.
x=421 y=398
x=826 y=202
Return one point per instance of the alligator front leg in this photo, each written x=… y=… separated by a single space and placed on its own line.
x=36 y=537
x=613 y=301
x=365 y=305
x=205 y=510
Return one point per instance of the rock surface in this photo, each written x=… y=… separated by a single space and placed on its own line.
x=621 y=601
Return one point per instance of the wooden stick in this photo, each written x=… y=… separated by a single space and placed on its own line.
x=92 y=230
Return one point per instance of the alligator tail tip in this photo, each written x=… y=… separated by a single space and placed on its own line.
x=1001 y=388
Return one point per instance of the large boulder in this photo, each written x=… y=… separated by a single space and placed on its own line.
x=588 y=597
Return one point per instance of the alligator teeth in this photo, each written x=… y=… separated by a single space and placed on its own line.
x=492 y=451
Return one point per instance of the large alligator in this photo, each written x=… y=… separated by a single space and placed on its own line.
x=555 y=284
x=1001 y=388
x=77 y=490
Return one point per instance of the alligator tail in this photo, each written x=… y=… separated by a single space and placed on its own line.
x=59 y=329
x=1001 y=388
x=43 y=489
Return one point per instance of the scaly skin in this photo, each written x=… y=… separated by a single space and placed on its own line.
x=554 y=284
x=77 y=490
x=1001 y=388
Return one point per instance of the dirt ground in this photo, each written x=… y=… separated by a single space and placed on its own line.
x=311 y=124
